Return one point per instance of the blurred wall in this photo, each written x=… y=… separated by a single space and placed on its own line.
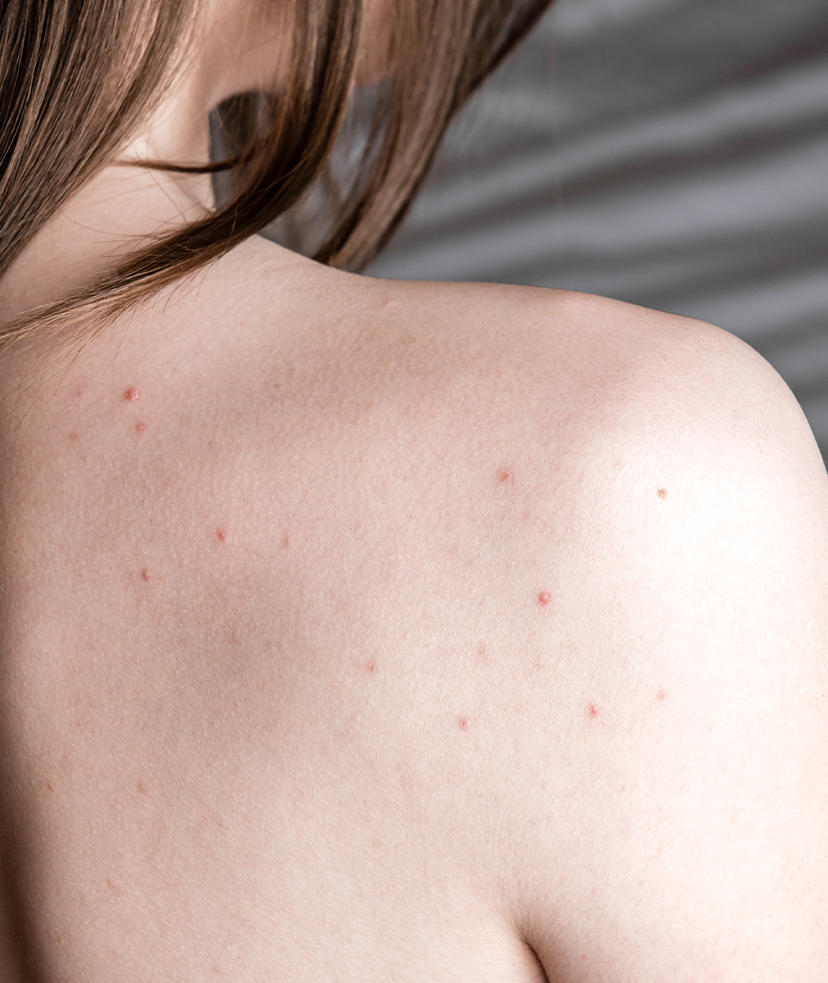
x=671 y=153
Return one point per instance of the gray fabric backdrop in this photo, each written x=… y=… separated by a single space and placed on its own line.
x=672 y=153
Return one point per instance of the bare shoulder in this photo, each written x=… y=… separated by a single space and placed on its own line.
x=666 y=791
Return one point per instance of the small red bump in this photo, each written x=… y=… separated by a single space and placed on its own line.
x=131 y=395
x=286 y=543
x=141 y=427
x=50 y=786
x=371 y=667
x=544 y=598
x=662 y=493
x=222 y=535
x=72 y=436
x=79 y=393
x=146 y=575
x=463 y=723
x=661 y=695
x=594 y=709
x=505 y=475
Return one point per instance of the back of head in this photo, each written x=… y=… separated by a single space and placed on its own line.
x=79 y=77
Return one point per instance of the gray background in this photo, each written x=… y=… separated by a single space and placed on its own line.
x=672 y=153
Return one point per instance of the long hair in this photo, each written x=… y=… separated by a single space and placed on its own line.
x=78 y=78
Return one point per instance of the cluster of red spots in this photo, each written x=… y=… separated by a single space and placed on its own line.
x=544 y=598
x=662 y=493
x=594 y=709
x=222 y=535
x=463 y=723
x=131 y=395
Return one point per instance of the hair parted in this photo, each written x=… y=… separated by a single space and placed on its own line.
x=78 y=78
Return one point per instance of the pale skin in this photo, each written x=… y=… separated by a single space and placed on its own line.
x=357 y=630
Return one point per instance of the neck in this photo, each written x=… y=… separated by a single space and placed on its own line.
x=119 y=211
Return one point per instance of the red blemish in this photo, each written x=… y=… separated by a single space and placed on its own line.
x=594 y=709
x=661 y=695
x=131 y=395
x=463 y=723
x=370 y=667
x=142 y=788
x=286 y=543
x=662 y=493
x=141 y=427
x=544 y=598
x=222 y=535
x=79 y=393
x=113 y=887
x=146 y=575
x=505 y=475
x=72 y=436
x=50 y=786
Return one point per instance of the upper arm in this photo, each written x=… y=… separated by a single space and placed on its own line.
x=677 y=768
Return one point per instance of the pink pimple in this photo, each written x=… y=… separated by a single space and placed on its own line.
x=544 y=598
x=463 y=723
x=505 y=475
x=50 y=786
x=594 y=709
x=286 y=543
x=146 y=575
x=222 y=535
x=370 y=667
x=662 y=493
x=141 y=427
x=131 y=395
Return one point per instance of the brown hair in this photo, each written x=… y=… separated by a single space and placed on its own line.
x=78 y=77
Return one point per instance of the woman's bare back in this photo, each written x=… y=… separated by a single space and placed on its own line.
x=336 y=634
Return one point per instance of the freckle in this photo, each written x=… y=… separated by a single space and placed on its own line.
x=662 y=493
x=50 y=786
x=370 y=667
x=131 y=395
x=286 y=543
x=594 y=709
x=222 y=535
x=661 y=695
x=146 y=575
x=141 y=427
x=544 y=598
x=463 y=723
